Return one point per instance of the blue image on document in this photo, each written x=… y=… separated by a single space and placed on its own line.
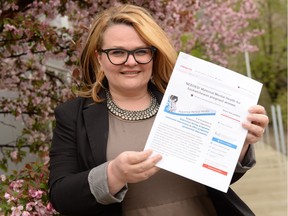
x=172 y=108
x=171 y=104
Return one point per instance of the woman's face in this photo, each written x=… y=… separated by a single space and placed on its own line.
x=129 y=77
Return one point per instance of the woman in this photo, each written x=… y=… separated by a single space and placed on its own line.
x=98 y=166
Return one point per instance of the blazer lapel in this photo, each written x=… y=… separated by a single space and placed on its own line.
x=96 y=123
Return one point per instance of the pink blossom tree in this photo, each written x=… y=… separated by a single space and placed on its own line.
x=212 y=30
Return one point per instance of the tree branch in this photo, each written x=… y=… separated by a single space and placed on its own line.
x=4 y=123
x=10 y=145
x=25 y=112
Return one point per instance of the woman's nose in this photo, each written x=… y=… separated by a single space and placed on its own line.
x=131 y=60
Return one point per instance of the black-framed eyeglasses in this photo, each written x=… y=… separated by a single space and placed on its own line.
x=119 y=56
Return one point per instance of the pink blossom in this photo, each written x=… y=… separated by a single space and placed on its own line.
x=16 y=211
x=49 y=207
x=29 y=206
x=36 y=100
x=16 y=185
x=13 y=29
x=26 y=213
x=14 y=155
x=40 y=209
x=14 y=6
x=9 y=27
x=7 y=196
x=36 y=193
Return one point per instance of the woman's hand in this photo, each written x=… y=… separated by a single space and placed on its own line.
x=256 y=124
x=257 y=121
x=131 y=167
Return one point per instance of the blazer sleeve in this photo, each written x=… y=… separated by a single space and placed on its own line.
x=69 y=188
x=248 y=162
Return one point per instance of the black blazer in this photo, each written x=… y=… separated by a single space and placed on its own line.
x=79 y=144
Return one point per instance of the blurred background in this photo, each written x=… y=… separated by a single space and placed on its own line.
x=39 y=48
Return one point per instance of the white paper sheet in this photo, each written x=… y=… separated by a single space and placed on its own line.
x=198 y=127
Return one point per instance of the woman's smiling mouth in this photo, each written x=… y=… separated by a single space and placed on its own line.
x=129 y=72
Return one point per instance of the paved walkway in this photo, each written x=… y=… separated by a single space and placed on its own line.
x=264 y=188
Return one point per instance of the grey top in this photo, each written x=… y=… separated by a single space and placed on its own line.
x=164 y=193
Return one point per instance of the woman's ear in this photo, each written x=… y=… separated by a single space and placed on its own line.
x=98 y=56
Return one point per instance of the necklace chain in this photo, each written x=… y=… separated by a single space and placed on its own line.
x=132 y=115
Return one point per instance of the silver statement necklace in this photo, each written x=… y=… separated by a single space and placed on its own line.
x=132 y=115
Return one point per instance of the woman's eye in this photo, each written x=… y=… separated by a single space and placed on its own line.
x=141 y=51
x=117 y=52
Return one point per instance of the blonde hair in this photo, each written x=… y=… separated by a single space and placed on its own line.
x=150 y=32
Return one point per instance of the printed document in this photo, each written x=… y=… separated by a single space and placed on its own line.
x=198 y=128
